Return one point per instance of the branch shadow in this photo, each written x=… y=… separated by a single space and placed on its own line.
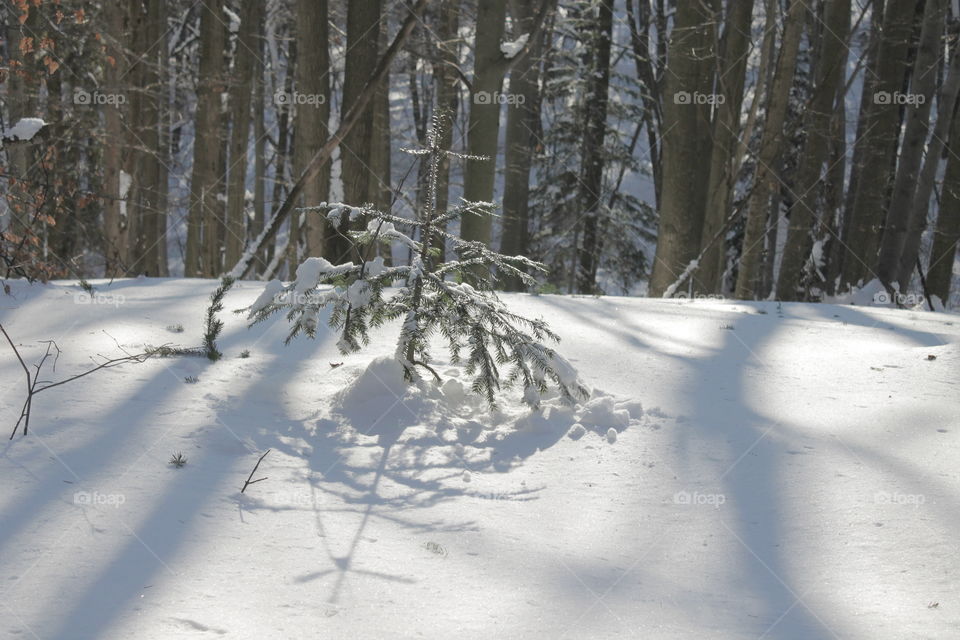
x=401 y=463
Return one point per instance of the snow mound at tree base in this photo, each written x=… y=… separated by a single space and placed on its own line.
x=381 y=403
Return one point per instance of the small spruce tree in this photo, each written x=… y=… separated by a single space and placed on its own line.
x=454 y=299
x=214 y=325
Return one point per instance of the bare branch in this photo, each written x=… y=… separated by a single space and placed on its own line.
x=255 y=467
x=35 y=385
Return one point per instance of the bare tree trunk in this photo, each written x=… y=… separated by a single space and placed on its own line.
x=837 y=251
x=881 y=132
x=165 y=121
x=260 y=143
x=363 y=36
x=767 y=267
x=591 y=170
x=923 y=83
x=448 y=97
x=241 y=91
x=685 y=143
x=639 y=21
x=766 y=180
x=732 y=68
x=380 y=164
x=817 y=122
x=946 y=237
x=21 y=103
x=483 y=130
x=281 y=156
x=134 y=126
x=828 y=226
x=205 y=185
x=146 y=123
x=946 y=102
x=522 y=117
x=347 y=122
x=113 y=145
x=313 y=113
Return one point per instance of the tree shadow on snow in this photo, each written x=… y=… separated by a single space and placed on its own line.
x=748 y=447
x=392 y=458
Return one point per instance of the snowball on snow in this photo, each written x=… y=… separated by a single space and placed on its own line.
x=611 y=435
x=602 y=411
x=576 y=431
x=25 y=129
x=632 y=407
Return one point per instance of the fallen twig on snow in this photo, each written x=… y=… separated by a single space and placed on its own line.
x=255 y=467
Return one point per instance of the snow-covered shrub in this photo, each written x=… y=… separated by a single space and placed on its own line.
x=452 y=299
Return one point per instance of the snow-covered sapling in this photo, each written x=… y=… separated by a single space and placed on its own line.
x=453 y=299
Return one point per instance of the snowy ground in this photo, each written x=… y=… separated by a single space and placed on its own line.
x=794 y=474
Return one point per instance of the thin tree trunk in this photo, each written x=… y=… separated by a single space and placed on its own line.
x=881 y=132
x=281 y=155
x=686 y=136
x=135 y=76
x=363 y=35
x=259 y=145
x=818 y=119
x=483 y=129
x=946 y=236
x=522 y=117
x=380 y=164
x=448 y=97
x=768 y=265
x=202 y=223
x=313 y=113
x=164 y=121
x=766 y=180
x=113 y=144
x=837 y=252
x=241 y=92
x=347 y=122
x=591 y=170
x=726 y=130
x=149 y=187
x=639 y=22
x=946 y=102
x=923 y=83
